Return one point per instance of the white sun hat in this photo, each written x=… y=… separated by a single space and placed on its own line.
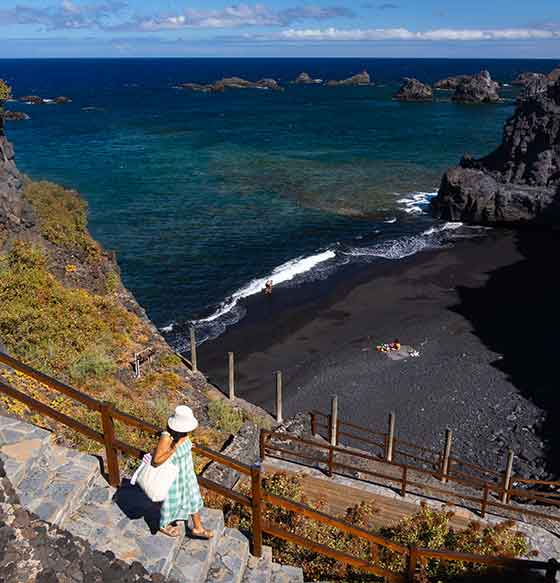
x=183 y=420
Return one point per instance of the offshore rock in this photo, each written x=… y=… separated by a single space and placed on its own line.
x=477 y=89
x=526 y=78
x=32 y=99
x=519 y=182
x=451 y=83
x=232 y=83
x=414 y=90
x=15 y=116
x=362 y=78
x=305 y=79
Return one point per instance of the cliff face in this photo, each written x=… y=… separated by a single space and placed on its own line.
x=520 y=181
x=14 y=212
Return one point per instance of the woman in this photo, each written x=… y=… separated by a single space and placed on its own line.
x=183 y=499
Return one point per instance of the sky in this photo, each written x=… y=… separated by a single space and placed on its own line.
x=280 y=28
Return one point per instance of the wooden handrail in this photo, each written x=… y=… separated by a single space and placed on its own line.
x=402 y=478
x=90 y=402
x=258 y=498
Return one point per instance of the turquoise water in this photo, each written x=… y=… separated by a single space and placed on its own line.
x=200 y=195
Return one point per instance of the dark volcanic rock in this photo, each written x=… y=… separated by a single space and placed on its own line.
x=15 y=116
x=232 y=83
x=32 y=99
x=305 y=79
x=520 y=181
x=362 y=78
x=14 y=211
x=525 y=78
x=477 y=89
x=62 y=100
x=451 y=83
x=414 y=90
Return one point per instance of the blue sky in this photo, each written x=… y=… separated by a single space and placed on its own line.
x=365 y=28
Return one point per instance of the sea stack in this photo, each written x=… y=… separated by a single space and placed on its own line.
x=477 y=89
x=414 y=90
x=305 y=79
x=362 y=78
x=517 y=183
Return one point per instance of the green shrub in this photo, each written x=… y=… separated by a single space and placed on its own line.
x=111 y=282
x=54 y=328
x=63 y=217
x=5 y=92
x=93 y=363
x=224 y=416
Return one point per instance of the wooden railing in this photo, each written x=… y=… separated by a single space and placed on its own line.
x=496 y=490
x=259 y=500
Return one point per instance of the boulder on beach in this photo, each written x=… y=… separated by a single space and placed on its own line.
x=231 y=83
x=9 y=115
x=519 y=182
x=414 y=90
x=32 y=99
x=477 y=89
x=362 y=78
x=305 y=79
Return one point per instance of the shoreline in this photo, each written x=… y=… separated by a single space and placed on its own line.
x=445 y=303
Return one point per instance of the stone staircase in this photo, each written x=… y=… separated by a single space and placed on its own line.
x=65 y=487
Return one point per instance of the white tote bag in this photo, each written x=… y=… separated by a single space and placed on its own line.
x=155 y=481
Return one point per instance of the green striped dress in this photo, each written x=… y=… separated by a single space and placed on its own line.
x=183 y=498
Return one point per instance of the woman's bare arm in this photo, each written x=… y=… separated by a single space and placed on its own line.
x=164 y=450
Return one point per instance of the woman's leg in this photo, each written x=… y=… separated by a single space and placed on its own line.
x=198 y=529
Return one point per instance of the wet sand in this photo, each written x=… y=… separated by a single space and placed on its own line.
x=474 y=311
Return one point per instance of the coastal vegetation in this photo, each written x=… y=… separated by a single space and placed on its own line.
x=65 y=312
x=5 y=92
x=428 y=528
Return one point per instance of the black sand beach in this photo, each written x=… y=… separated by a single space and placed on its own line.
x=483 y=314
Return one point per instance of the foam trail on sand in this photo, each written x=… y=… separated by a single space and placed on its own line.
x=280 y=274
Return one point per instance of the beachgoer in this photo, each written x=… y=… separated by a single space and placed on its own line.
x=183 y=499
x=268 y=287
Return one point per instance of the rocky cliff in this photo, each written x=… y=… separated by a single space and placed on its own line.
x=520 y=181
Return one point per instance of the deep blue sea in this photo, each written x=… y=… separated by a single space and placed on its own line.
x=203 y=196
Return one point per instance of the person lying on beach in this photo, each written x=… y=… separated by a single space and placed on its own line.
x=267 y=289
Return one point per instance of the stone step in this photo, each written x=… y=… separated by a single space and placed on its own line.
x=230 y=559
x=21 y=444
x=259 y=570
x=125 y=522
x=286 y=574
x=56 y=482
x=195 y=556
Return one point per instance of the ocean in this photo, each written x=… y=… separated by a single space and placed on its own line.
x=206 y=196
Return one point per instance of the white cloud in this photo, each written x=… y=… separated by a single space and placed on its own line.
x=237 y=15
x=442 y=34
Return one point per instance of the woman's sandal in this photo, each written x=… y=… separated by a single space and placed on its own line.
x=202 y=534
x=172 y=531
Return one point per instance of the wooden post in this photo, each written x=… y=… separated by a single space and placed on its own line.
x=194 y=361
x=313 y=424
x=330 y=461
x=507 y=477
x=484 y=501
x=231 y=364
x=262 y=445
x=333 y=429
x=403 y=484
x=446 y=455
x=136 y=366
x=110 y=451
x=390 y=443
x=256 y=506
x=412 y=564
x=279 y=417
